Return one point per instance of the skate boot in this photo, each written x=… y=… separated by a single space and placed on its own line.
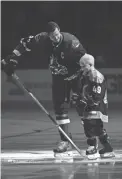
x=63 y=146
x=106 y=151
x=92 y=153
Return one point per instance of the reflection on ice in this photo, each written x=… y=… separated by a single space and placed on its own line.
x=89 y=171
x=63 y=171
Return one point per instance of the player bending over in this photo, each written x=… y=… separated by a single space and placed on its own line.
x=65 y=51
x=93 y=95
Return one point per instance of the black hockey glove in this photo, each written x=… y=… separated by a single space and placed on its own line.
x=77 y=99
x=8 y=65
x=58 y=70
x=80 y=106
x=74 y=76
x=79 y=102
x=74 y=98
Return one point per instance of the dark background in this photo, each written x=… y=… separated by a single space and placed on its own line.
x=98 y=25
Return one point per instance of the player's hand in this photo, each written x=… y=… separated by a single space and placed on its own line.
x=9 y=66
x=62 y=70
x=83 y=101
x=80 y=106
x=58 y=70
x=71 y=77
x=74 y=98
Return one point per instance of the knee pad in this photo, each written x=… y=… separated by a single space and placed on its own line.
x=92 y=141
x=65 y=128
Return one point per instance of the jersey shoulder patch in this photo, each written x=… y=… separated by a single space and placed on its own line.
x=75 y=43
x=71 y=39
x=96 y=76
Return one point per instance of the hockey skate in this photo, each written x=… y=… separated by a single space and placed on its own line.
x=92 y=153
x=107 y=152
x=63 y=146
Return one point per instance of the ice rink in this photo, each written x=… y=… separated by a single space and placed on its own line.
x=28 y=128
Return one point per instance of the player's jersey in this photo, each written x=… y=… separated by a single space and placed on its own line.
x=68 y=53
x=94 y=92
x=64 y=57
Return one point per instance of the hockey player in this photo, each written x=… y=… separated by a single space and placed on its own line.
x=92 y=94
x=65 y=51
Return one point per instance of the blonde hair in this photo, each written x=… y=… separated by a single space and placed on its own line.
x=87 y=59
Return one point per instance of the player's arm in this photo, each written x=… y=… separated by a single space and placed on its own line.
x=77 y=50
x=75 y=53
x=25 y=45
x=77 y=86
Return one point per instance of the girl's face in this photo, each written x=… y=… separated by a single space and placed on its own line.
x=85 y=67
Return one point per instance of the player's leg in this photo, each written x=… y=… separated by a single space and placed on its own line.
x=61 y=105
x=107 y=150
x=89 y=129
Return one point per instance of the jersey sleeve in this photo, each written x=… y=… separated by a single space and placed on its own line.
x=77 y=49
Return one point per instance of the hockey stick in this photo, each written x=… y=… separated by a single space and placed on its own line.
x=15 y=79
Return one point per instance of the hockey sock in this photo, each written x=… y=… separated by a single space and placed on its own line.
x=65 y=129
x=92 y=141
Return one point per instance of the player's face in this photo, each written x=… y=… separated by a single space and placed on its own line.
x=84 y=67
x=55 y=36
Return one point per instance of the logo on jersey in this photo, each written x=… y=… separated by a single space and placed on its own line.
x=75 y=43
x=62 y=55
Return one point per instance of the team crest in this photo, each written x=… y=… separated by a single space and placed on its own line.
x=75 y=43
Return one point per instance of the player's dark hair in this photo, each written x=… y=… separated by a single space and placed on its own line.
x=51 y=26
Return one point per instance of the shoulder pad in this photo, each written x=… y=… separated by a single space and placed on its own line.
x=96 y=76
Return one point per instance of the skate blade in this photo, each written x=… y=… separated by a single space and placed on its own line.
x=63 y=154
x=64 y=157
x=107 y=155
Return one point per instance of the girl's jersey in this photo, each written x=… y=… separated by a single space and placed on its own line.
x=93 y=89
